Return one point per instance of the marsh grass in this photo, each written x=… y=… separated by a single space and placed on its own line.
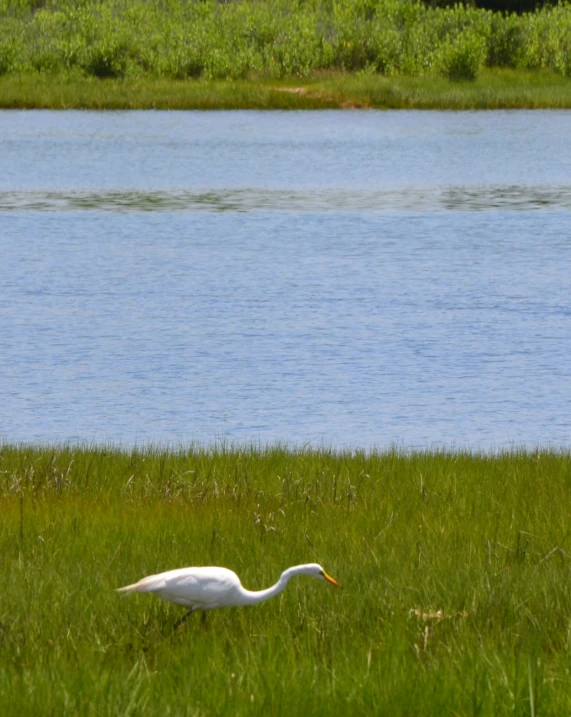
x=493 y=89
x=23 y=91
x=455 y=571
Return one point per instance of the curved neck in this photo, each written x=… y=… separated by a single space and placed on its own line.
x=251 y=597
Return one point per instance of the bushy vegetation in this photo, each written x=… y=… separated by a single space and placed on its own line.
x=275 y=38
x=455 y=571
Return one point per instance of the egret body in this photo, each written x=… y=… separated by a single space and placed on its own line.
x=209 y=588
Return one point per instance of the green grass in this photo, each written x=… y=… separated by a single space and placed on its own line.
x=56 y=92
x=494 y=89
x=483 y=539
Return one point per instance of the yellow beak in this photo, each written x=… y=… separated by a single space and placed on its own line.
x=331 y=580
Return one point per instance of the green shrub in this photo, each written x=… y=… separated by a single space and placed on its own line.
x=11 y=48
x=107 y=58
x=463 y=57
x=549 y=40
x=508 y=42
x=45 y=35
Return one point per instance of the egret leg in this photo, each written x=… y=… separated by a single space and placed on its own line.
x=184 y=618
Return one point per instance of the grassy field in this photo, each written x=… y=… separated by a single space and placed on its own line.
x=455 y=571
x=493 y=89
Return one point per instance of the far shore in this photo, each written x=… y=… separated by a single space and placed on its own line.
x=493 y=89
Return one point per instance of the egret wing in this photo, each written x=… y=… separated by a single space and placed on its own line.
x=195 y=588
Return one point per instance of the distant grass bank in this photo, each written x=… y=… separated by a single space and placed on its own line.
x=455 y=570
x=493 y=89
x=280 y=54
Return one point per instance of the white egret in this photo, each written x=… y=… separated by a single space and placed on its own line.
x=209 y=588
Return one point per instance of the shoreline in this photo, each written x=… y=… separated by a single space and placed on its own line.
x=494 y=89
x=263 y=451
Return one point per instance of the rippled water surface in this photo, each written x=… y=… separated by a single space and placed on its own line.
x=348 y=279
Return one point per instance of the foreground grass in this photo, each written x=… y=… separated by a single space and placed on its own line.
x=455 y=570
x=494 y=89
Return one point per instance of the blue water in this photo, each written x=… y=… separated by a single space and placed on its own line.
x=344 y=279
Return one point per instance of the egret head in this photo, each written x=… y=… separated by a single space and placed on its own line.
x=318 y=572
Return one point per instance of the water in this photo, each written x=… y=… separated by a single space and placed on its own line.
x=347 y=279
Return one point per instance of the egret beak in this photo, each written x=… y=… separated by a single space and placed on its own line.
x=331 y=580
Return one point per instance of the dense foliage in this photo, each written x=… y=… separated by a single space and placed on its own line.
x=277 y=38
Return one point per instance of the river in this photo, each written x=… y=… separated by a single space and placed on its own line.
x=343 y=279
